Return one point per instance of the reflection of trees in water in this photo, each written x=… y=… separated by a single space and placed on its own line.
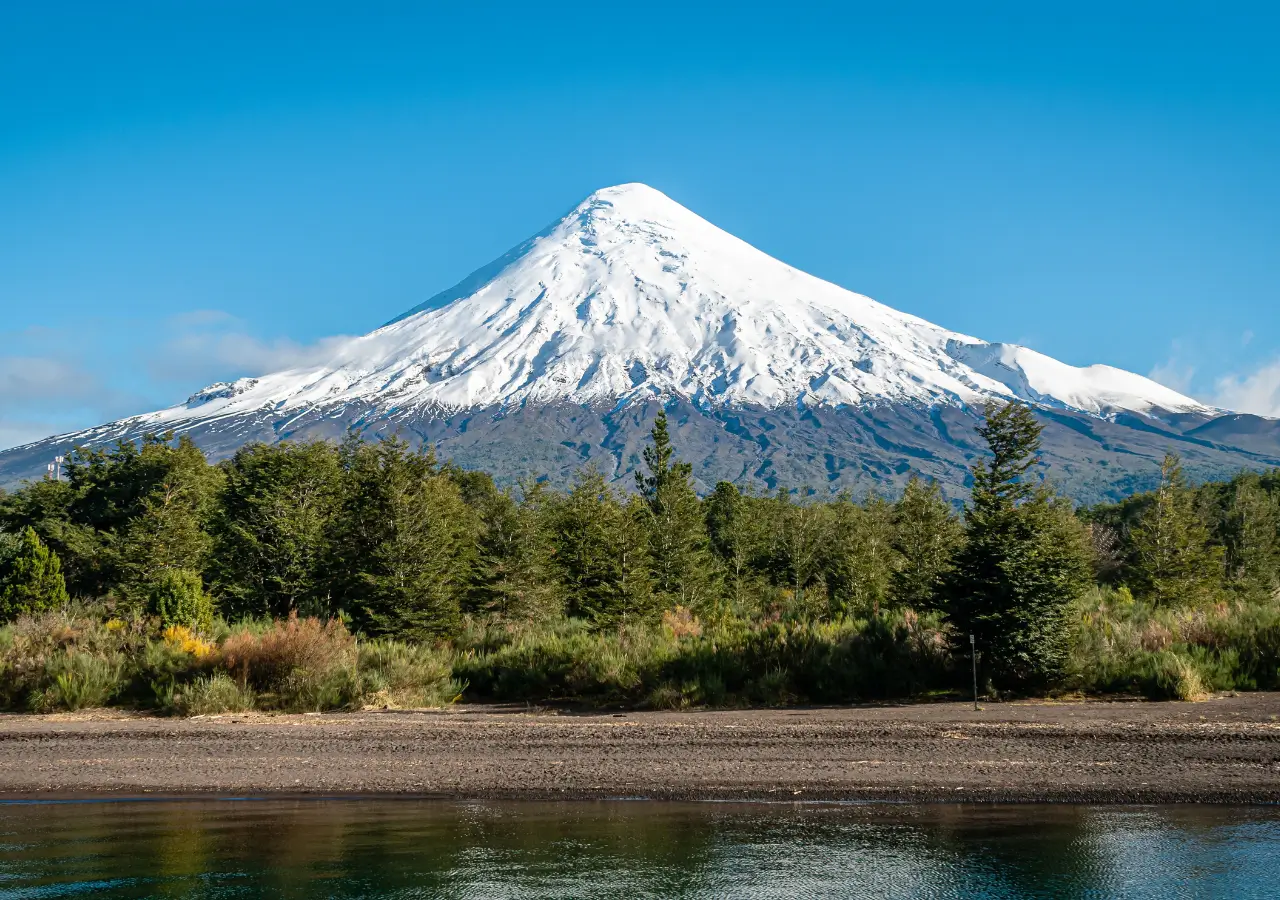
x=354 y=848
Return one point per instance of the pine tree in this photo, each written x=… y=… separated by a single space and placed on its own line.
x=739 y=538
x=47 y=506
x=633 y=598
x=926 y=534
x=800 y=534
x=681 y=565
x=271 y=532
x=602 y=553
x=859 y=560
x=1025 y=559
x=1252 y=538
x=403 y=541
x=515 y=577
x=30 y=579
x=1173 y=560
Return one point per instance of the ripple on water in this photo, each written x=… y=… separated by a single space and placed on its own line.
x=413 y=848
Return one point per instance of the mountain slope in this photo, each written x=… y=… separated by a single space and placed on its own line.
x=630 y=298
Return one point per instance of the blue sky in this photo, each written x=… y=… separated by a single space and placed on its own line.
x=193 y=191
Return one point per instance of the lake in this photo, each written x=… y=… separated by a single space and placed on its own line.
x=419 y=848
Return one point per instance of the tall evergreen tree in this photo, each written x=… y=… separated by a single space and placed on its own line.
x=46 y=506
x=859 y=560
x=800 y=534
x=403 y=541
x=681 y=565
x=272 y=529
x=1025 y=559
x=739 y=538
x=515 y=576
x=1174 y=562
x=926 y=534
x=1251 y=535
x=30 y=578
x=168 y=530
x=602 y=553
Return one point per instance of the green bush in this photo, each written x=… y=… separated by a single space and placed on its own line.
x=211 y=694
x=1126 y=646
x=177 y=597
x=394 y=674
x=30 y=577
x=77 y=680
x=735 y=662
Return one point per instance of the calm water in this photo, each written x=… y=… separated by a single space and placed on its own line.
x=407 y=848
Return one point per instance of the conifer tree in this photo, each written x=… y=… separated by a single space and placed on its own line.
x=1252 y=538
x=633 y=597
x=800 y=534
x=47 y=507
x=926 y=534
x=602 y=553
x=403 y=541
x=739 y=538
x=515 y=577
x=272 y=529
x=1173 y=560
x=1025 y=559
x=30 y=579
x=859 y=560
x=680 y=559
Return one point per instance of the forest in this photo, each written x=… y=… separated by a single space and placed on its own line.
x=305 y=576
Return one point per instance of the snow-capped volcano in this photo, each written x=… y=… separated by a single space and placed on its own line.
x=630 y=296
x=557 y=354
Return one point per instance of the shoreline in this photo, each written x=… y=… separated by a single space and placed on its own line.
x=1225 y=750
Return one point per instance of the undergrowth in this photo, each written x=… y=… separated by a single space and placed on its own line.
x=79 y=657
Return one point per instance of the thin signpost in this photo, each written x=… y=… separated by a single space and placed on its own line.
x=973 y=655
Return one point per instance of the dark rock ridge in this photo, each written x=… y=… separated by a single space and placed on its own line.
x=828 y=449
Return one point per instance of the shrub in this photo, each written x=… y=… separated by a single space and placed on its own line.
x=76 y=680
x=65 y=659
x=177 y=598
x=31 y=580
x=1122 y=645
x=216 y=693
x=394 y=674
x=736 y=661
x=297 y=664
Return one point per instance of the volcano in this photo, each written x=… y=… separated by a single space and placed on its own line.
x=560 y=353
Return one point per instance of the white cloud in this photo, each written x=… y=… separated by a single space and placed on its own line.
x=44 y=395
x=25 y=380
x=1173 y=374
x=211 y=345
x=1257 y=392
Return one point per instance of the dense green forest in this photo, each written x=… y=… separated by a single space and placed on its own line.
x=313 y=575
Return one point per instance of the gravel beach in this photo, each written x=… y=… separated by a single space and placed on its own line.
x=1222 y=750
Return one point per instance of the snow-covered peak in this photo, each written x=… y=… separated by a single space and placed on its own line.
x=631 y=295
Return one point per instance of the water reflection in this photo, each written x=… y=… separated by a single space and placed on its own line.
x=406 y=848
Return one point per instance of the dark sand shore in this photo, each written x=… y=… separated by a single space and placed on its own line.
x=1222 y=750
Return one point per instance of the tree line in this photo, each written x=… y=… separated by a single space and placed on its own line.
x=399 y=544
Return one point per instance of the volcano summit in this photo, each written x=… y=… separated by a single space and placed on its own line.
x=560 y=352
